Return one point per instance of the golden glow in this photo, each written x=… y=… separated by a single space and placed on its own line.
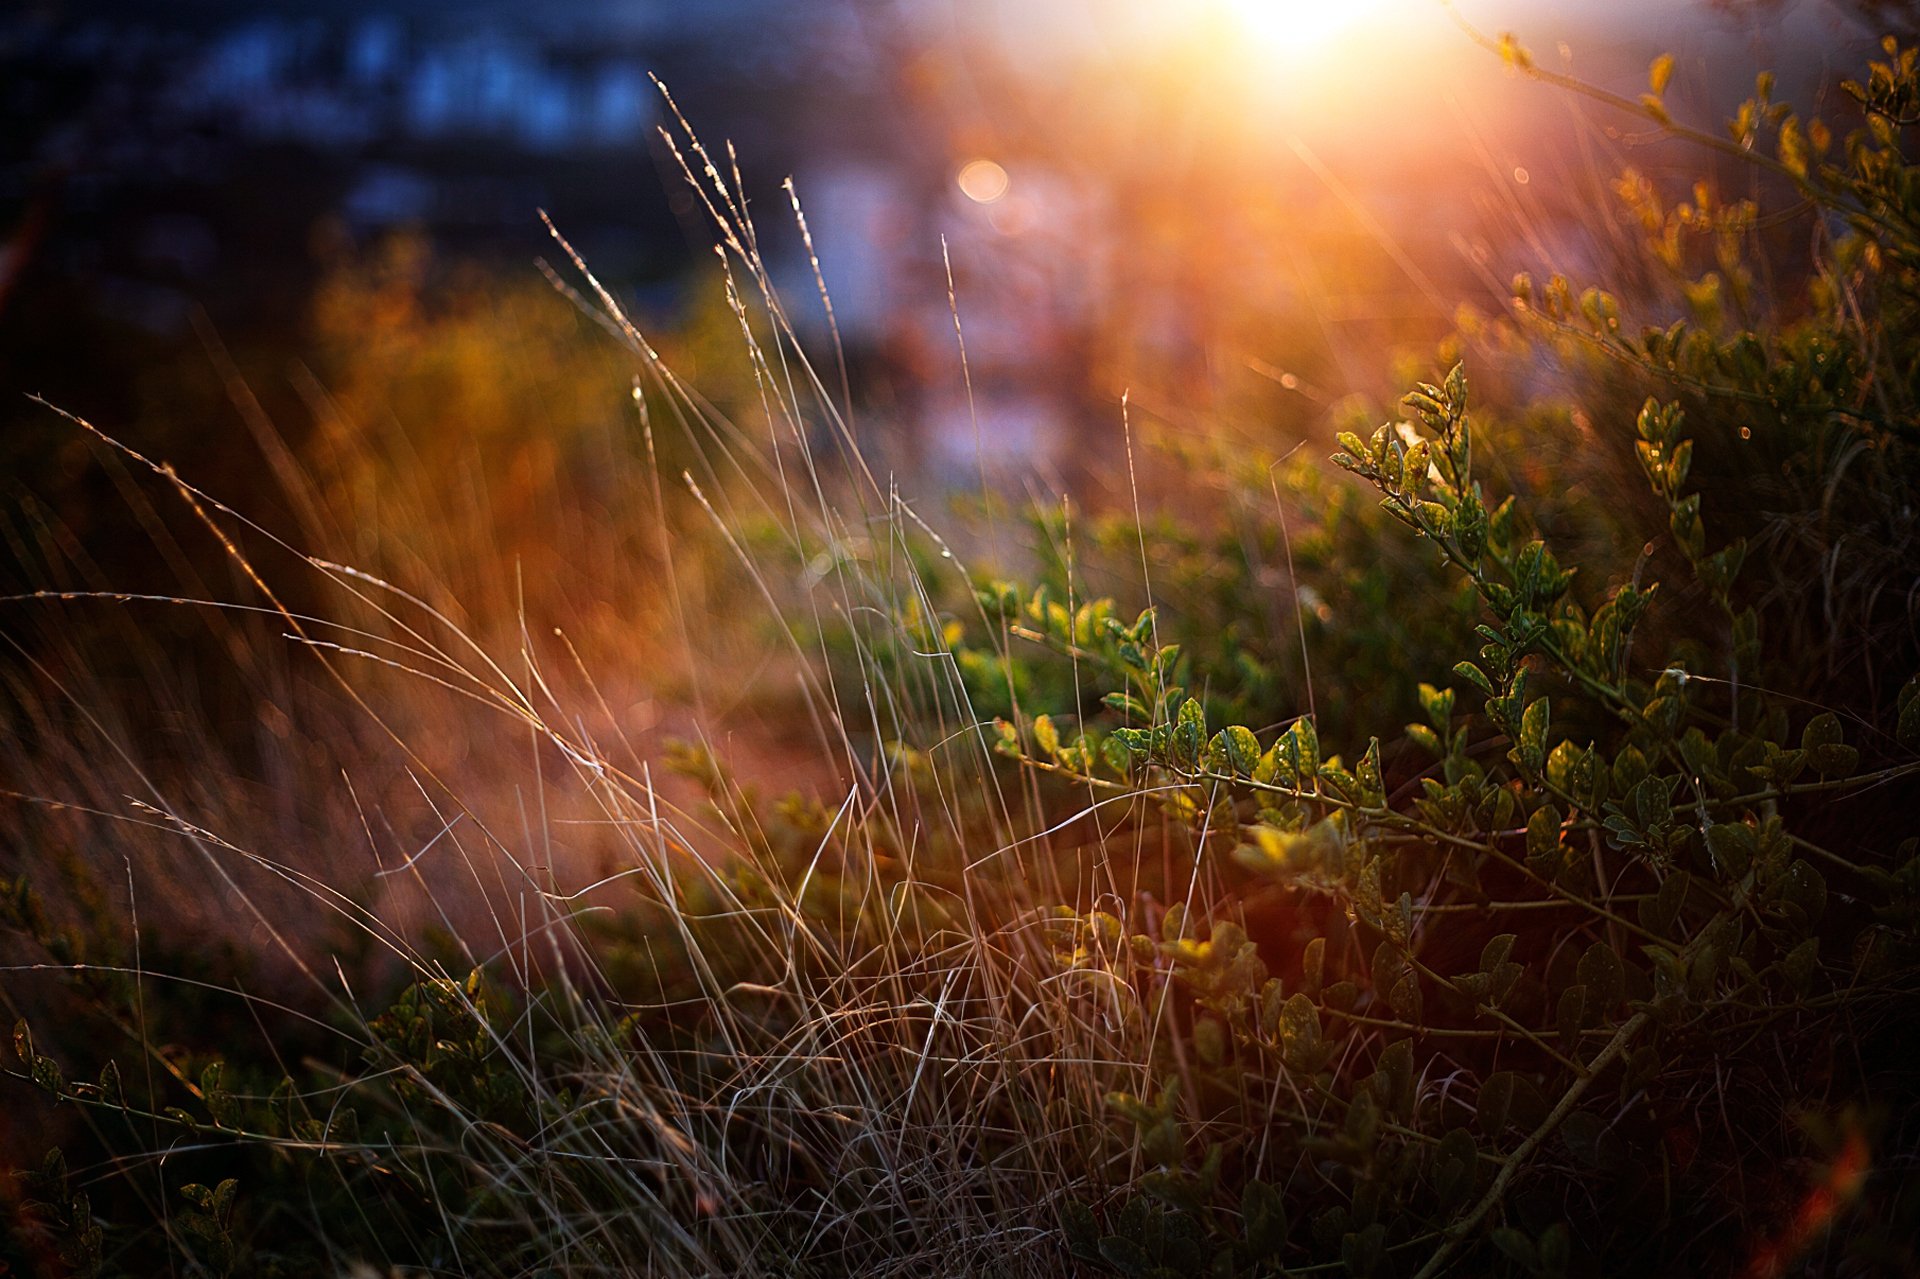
x=1302 y=28
x=983 y=181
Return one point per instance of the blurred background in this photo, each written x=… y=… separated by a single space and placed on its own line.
x=1198 y=200
x=294 y=250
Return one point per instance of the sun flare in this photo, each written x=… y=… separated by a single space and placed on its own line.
x=1300 y=27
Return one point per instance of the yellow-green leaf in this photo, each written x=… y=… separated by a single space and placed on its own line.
x=1660 y=72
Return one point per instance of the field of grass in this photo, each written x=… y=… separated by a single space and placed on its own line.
x=604 y=827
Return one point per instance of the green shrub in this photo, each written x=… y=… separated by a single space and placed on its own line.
x=1434 y=1076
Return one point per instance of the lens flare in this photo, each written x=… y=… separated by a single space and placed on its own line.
x=983 y=181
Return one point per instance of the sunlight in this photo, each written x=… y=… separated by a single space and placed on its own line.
x=1300 y=28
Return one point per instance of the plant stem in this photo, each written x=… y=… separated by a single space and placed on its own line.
x=1457 y=1234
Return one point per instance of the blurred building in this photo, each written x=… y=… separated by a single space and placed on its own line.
x=1163 y=193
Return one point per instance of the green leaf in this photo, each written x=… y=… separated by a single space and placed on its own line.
x=1189 y=732
x=1475 y=676
x=1571 y=1017
x=1806 y=888
x=1533 y=733
x=1373 y=786
x=1364 y=1250
x=1046 y=736
x=1395 y=980
x=1419 y=459
x=1822 y=730
x=1734 y=847
x=1826 y=752
x=1518 y=1247
x=1659 y=912
x=1126 y=1256
x=1210 y=1040
x=1403 y=919
x=1241 y=749
x=1307 y=746
x=1544 y=857
x=1362 y=1123
x=1006 y=738
x=1783 y=765
x=1437 y=705
x=1263 y=1215
x=1496 y=1100
x=1455 y=1166
x=1604 y=976
x=111 y=1090
x=1908 y=708
x=1081 y=1229
x=1426 y=739
x=1556 y=1248
x=1367 y=900
x=1583 y=1132
x=1300 y=1034
x=1834 y=761
x=1164 y=660
x=1679 y=464
x=47 y=1074
x=1652 y=803
x=1312 y=965
x=1507 y=1099
x=1629 y=770
x=1394 y=1073
x=1800 y=964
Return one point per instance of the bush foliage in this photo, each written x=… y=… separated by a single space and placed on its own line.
x=1152 y=939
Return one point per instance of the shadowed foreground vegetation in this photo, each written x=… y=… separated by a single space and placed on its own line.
x=1491 y=852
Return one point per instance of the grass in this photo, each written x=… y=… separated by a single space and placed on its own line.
x=835 y=1083
x=1047 y=964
